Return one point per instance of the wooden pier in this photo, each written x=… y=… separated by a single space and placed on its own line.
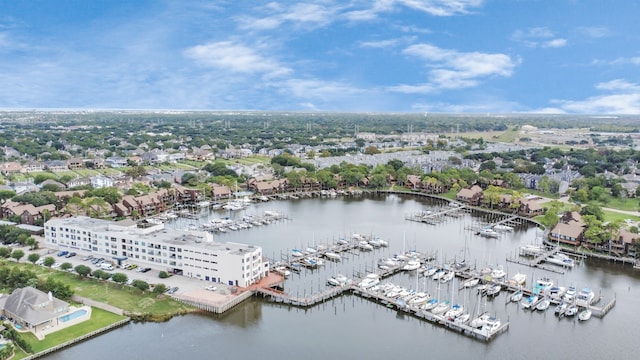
x=437 y=217
x=537 y=262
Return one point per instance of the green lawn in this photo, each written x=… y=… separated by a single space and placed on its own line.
x=623 y=204
x=99 y=319
x=612 y=215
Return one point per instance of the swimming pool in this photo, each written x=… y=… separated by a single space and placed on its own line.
x=73 y=315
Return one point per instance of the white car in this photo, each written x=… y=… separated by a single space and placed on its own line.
x=211 y=288
x=56 y=265
x=40 y=261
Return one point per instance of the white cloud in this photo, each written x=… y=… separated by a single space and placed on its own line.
x=441 y=7
x=625 y=100
x=234 y=57
x=623 y=61
x=595 y=32
x=451 y=69
x=555 y=43
x=538 y=37
x=618 y=85
x=301 y=15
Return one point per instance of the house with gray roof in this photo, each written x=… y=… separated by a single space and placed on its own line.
x=32 y=309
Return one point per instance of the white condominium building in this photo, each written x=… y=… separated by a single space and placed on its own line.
x=189 y=253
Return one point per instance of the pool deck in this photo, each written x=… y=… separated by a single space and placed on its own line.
x=61 y=324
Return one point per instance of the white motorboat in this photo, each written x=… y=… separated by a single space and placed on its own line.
x=282 y=270
x=446 y=277
x=369 y=281
x=518 y=279
x=572 y=310
x=494 y=290
x=441 y=308
x=310 y=250
x=585 y=297
x=462 y=318
x=504 y=228
x=480 y=320
x=498 y=273
x=377 y=242
x=543 y=284
x=438 y=274
x=543 y=305
x=532 y=249
x=338 y=280
x=469 y=283
x=489 y=233
x=364 y=246
x=332 y=256
x=529 y=301
x=412 y=265
x=430 y=271
x=297 y=253
x=430 y=304
x=492 y=325
x=584 y=315
x=570 y=294
x=310 y=262
x=455 y=311
x=419 y=299
x=561 y=260
x=561 y=308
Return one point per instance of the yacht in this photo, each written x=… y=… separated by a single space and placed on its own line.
x=561 y=308
x=310 y=262
x=446 y=277
x=297 y=253
x=282 y=270
x=533 y=249
x=494 y=290
x=571 y=310
x=585 y=297
x=338 y=280
x=332 y=256
x=441 y=307
x=430 y=271
x=492 y=325
x=412 y=265
x=488 y=232
x=561 y=260
x=462 y=318
x=570 y=294
x=584 y=315
x=377 y=242
x=419 y=299
x=438 y=274
x=501 y=227
x=471 y=282
x=430 y=304
x=498 y=273
x=369 y=281
x=455 y=311
x=543 y=284
x=365 y=246
x=480 y=321
x=518 y=279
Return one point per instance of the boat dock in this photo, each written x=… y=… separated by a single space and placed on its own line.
x=437 y=217
x=538 y=261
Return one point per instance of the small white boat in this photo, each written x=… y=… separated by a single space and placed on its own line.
x=498 y=273
x=338 y=280
x=369 y=281
x=532 y=249
x=282 y=271
x=518 y=279
x=572 y=310
x=492 y=325
x=469 y=283
x=438 y=274
x=570 y=294
x=446 y=277
x=419 y=299
x=561 y=260
x=332 y=256
x=455 y=311
x=584 y=315
x=494 y=290
x=585 y=297
x=411 y=265
x=365 y=246
x=297 y=253
x=480 y=321
x=543 y=305
x=430 y=271
x=462 y=318
x=489 y=233
x=430 y=304
x=501 y=227
x=561 y=308
x=441 y=308
x=517 y=296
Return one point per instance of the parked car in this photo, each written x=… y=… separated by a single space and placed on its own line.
x=211 y=288
x=172 y=290
x=88 y=257
x=63 y=253
x=56 y=265
x=71 y=254
x=40 y=261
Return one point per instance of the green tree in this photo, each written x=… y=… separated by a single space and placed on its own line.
x=159 y=289
x=163 y=275
x=82 y=270
x=119 y=278
x=66 y=266
x=33 y=257
x=49 y=261
x=32 y=243
x=5 y=252
x=371 y=150
x=17 y=254
x=594 y=210
x=378 y=181
x=101 y=274
x=141 y=285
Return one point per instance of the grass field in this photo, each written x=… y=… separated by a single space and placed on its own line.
x=612 y=215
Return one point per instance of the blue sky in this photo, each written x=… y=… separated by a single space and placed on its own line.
x=474 y=56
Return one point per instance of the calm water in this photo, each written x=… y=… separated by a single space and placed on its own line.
x=350 y=327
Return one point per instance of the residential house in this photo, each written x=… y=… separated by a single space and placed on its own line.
x=220 y=191
x=75 y=163
x=32 y=309
x=101 y=181
x=56 y=165
x=57 y=184
x=569 y=230
x=115 y=162
x=413 y=182
x=28 y=213
x=83 y=181
x=470 y=196
x=155 y=156
x=10 y=168
x=34 y=166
